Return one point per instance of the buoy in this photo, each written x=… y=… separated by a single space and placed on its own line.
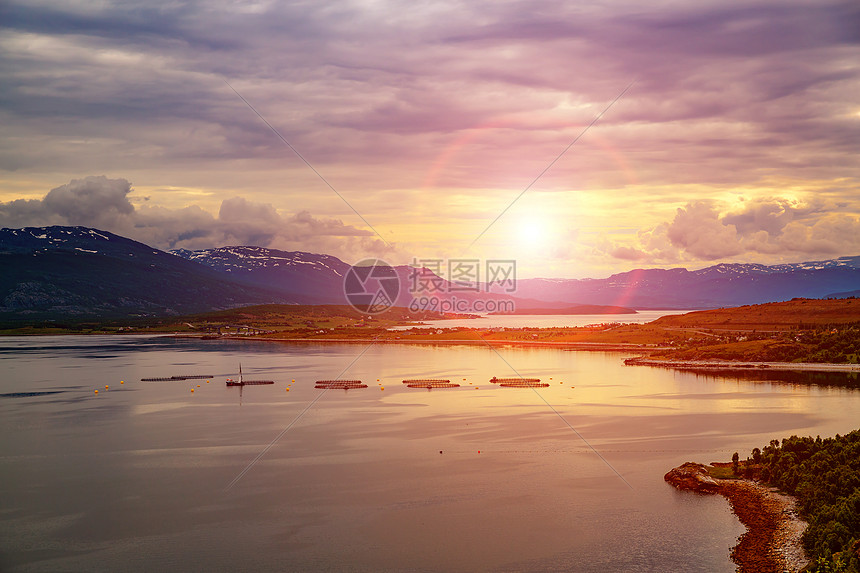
x=198 y=385
x=207 y=381
x=106 y=386
x=294 y=379
x=97 y=391
x=479 y=451
x=440 y=451
x=192 y=390
x=382 y=388
x=476 y=388
x=122 y=381
x=288 y=389
x=464 y=379
x=377 y=379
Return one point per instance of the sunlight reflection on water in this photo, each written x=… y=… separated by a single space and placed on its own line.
x=134 y=477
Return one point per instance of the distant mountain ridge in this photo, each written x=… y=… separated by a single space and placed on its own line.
x=724 y=284
x=51 y=272
x=81 y=272
x=238 y=258
x=293 y=273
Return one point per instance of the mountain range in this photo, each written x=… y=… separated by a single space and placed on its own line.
x=68 y=272
x=717 y=286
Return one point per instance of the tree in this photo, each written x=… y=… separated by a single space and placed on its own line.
x=735 y=458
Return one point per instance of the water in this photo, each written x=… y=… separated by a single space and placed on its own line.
x=544 y=320
x=136 y=478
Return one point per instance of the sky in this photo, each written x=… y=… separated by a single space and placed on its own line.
x=441 y=130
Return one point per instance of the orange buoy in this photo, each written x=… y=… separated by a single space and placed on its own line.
x=122 y=381
x=106 y=386
x=382 y=388
x=192 y=390
x=97 y=391
x=294 y=379
x=198 y=385
x=288 y=389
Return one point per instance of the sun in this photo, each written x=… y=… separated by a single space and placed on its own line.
x=532 y=233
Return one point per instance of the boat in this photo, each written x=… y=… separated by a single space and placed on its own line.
x=242 y=382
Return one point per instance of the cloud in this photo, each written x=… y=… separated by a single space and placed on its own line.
x=432 y=109
x=698 y=231
x=775 y=228
x=771 y=215
x=103 y=203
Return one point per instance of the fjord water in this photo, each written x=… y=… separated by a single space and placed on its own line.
x=543 y=320
x=138 y=477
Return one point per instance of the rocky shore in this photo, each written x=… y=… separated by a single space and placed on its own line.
x=772 y=542
x=736 y=365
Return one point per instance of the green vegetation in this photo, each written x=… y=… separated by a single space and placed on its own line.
x=822 y=344
x=721 y=471
x=824 y=475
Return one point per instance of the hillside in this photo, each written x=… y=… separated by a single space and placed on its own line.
x=296 y=274
x=789 y=315
x=76 y=272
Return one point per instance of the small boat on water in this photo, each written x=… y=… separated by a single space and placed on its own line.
x=242 y=382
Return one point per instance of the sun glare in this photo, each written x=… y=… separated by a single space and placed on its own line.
x=532 y=233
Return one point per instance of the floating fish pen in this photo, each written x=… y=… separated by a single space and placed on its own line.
x=503 y=381
x=424 y=381
x=524 y=384
x=339 y=384
x=178 y=378
x=257 y=382
x=430 y=384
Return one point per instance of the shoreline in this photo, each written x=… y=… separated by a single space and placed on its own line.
x=773 y=539
x=627 y=347
x=590 y=346
x=597 y=346
x=744 y=365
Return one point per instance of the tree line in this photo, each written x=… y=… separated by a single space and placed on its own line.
x=824 y=475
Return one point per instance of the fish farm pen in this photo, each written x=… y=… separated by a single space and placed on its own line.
x=178 y=378
x=524 y=384
x=339 y=384
x=429 y=383
x=503 y=381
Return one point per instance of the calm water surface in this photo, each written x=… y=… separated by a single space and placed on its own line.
x=137 y=478
x=544 y=320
